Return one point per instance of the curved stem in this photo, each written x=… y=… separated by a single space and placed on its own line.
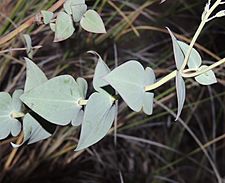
x=184 y=74
x=197 y=73
x=162 y=81
x=197 y=33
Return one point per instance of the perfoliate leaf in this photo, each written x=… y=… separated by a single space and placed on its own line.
x=149 y=96
x=16 y=102
x=78 y=11
x=207 y=78
x=56 y=100
x=101 y=71
x=98 y=118
x=33 y=131
x=92 y=22
x=83 y=86
x=67 y=6
x=35 y=76
x=129 y=80
x=149 y=76
x=28 y=43
x=64 y=27
x=69 y=3
x=78 y=118
x=148 y=103
x=195 y=59
x=181 y=93
x=47 y=16
x=8 y=106
x=178 y=54
x=52 y=26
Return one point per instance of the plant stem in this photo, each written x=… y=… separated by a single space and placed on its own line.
x=15 y=115
x=186 y=74
x=197 y=33
x=162 y=81
x=27 y=24
x=13 y=153
x=18 y=49
x=197 y=73
x=82 y=102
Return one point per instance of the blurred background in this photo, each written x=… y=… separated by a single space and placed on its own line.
x=149 y=149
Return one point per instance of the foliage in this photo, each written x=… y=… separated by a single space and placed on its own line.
x=62 y=100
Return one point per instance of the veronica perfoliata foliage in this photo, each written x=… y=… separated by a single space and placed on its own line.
x=63 y=100
x=75 y=11
x=130 y=80
x=194 y=64
x=10 y=108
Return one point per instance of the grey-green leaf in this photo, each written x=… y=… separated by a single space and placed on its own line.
x=149 y=76
x=207 y=78
x=47 y=16
x=28 y=42
x=101 y=71
x=64 y=27
x=181 y=93
x=35 y=76
x=78 y=11
x=55 y=100
x=8 y=124
x=98 y=118
x=52 y=26
x=129 y=80
x=78 y=118
x=69 y=3
x=16 y=102
x=178 y=54
x=33 y=131
x=92 y=22
x=83 y=86
x=195 y=59
x=148 y=103
x=148 y=96
x=67 y=7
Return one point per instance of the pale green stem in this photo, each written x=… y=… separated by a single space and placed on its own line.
x=197 y=73
x=186 y=74
x=82 y=102
x=15 y=115
x=201 y=26
x=162 y=81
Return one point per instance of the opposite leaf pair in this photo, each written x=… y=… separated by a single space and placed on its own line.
x=10 y=107
x=10 y=110
x=194 y=63
x=35 y=89
x=57 y=100
x=129 y=80
x=100 y=110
